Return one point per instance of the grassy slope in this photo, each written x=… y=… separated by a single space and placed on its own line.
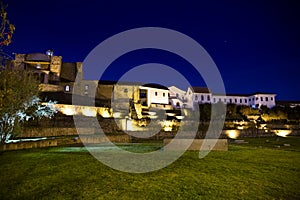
x=241 y=173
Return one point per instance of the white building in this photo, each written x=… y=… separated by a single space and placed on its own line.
x=197 y=95
x=176 y=97
x=262 y=99
x=238 y=99
x=154 y=94
x=202 y=95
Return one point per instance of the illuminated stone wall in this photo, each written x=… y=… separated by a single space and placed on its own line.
x=55 y=67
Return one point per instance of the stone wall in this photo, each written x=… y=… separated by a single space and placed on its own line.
x=197 y=144
x=28 y=145
x=64 y=126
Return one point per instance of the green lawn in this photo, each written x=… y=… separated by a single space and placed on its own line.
x=244 y=172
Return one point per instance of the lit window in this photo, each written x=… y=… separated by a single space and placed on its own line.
x=67 y=88
x=86 y=88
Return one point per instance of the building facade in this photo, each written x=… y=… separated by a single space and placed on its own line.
x=57 y=81
x=202 y=95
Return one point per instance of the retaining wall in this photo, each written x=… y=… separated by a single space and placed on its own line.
x=197 y=144
x=28 y=145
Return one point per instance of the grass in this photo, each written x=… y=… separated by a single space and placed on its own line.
x=244 y=172
x=290 y=143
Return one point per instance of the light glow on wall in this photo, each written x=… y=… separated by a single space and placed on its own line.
x=282 y=133
x=168 y=125
x=233 y=134
x=105 y=112
x=67 y=109
x=88 y=111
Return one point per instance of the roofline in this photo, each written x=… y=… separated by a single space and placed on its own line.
x=149 y=85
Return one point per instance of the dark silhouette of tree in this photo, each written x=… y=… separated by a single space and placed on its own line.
x=6 y=28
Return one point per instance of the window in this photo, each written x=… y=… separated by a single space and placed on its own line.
x=196 y=97
x=249 y=99
x=143 y=94
x=155 y=93
x=202 y=98
x=271 y=98
x=177 y=95
x=230 y=100
x=256 y=98
x=235 y=100
x=86 y=88
x=164 y=94
x=67 y=88
x=240 y=100
x=245 y=100
x=253 y=99
x=261 y=99
x=214 y=100
x=208 y=98
x=267 y=99
x=125 y=90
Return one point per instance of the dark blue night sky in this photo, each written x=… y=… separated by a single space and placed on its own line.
x=255 y=44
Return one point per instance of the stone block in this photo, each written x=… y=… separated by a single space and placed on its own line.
x=197 y=144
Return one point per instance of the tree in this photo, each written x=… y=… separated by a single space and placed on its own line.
x=205 y=112
x=19 y=102
x=275 y=114
x=6 y=28
x=247 y=110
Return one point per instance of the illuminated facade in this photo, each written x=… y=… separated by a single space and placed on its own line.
x=202 y=95
x=131 y=99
